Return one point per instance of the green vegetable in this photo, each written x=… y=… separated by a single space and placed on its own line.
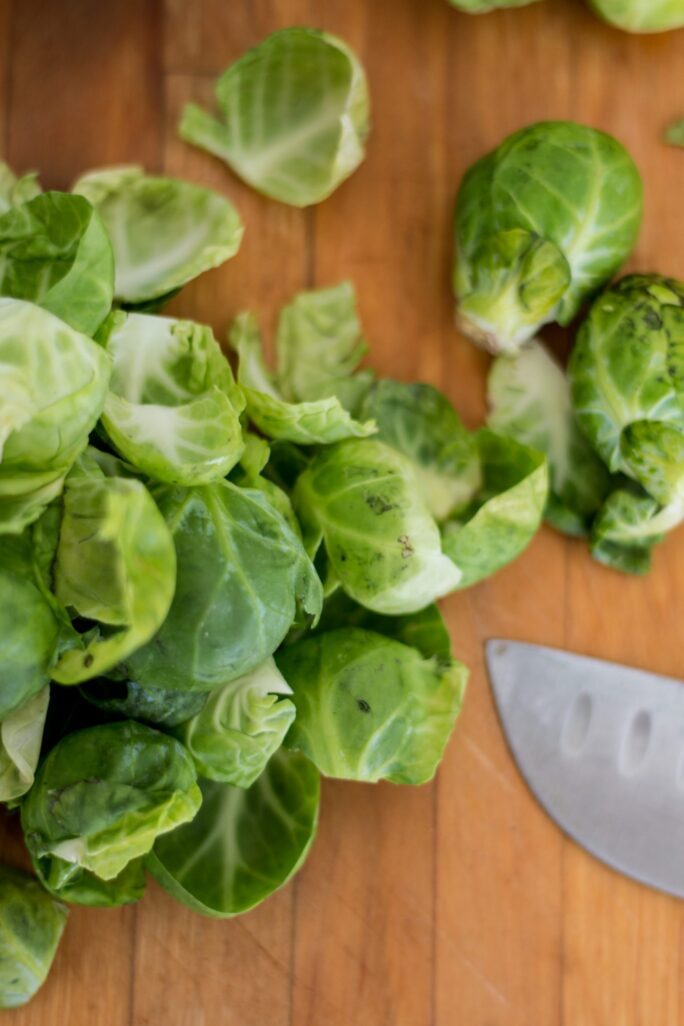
x=54 y=251
x=162 y=707
x=31 y=926
x=243 y=844
x=294 y=116
x=13 y=190
x=164 y=232
x=321 y=422
x=641 y=15
x=541 y=223
x=173 y=406
x=628 y=526
x=242 y=724
x=505 y=515
x=101 y=798
x=529 y=398
x=240 y=571
x=626 y=373
x=371 y=708
x=362 y=499
x=53 y=384
x=20 y=736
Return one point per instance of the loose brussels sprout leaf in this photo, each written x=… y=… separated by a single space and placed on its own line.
x=85 y=888
x=29 y=629
x=420 y=422
x=529 y=399
x=54 y=251
x=505 y=516
x=319 y=342
x=53 y=383
x=115 y=565
x=295 y=116
x=13 y=190
x=627 y=528
x=371 y=708
x=173 y=407
x=641 y=15
x=31 y=926
x=312 y=423
x=241 y=570
x=21 y=734
x=255 y=455
x=165 y=232
x=362 y=499
x=161 y=707
x=240 y=727
x=541 y=223
x=102 y=797
x=484 y=6
x=627 y=374
x=244 y=844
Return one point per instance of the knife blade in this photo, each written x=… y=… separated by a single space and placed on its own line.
x=601 y=746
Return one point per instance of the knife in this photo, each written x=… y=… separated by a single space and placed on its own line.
x=601 y=746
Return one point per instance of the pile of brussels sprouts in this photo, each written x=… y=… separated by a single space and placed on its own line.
x=630 y=15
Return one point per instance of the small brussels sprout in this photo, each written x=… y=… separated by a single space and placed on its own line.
x=626 y=376
x=641 y=15
x=541 y=223
x=31 y=927
x=294 y=116
x=101 y=798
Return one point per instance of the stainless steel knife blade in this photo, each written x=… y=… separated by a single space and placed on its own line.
x=602 y=748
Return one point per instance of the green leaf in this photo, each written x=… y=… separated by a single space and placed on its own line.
x=165 y=232
x=31 y=926
x=628 y=526
x=163 y=707
x=362 y=499
x=21 y=734
x=370 y=708
x=13 y=190
x=295 y=116
x=243 y=844
x=102 y=797
x=638 y=16
x=505 y=516
x=320 y=422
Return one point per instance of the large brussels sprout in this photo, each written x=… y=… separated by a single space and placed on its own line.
x=244 y=843
x=641 y=15
x=102 y=797
x=53 y=384
x=369 y=707
x=164 y=232
x=294 y=116
x=241 y=570
x=627 y=377
x=31 y=926
x=54 y=251
x=173 y=406
x=541 y=223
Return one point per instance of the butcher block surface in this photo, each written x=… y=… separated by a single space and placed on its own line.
x=457 y=903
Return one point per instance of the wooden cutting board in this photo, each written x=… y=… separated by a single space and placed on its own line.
x=456 y=904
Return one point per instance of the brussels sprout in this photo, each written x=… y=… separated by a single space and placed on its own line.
x=626 y=373
x=240 y=571
x=21 y=734
x=484 y=6
x=161 y=707
x=641 y=15
x=421 y=423
x=505 y=515
x=164 y=232
x=541 y=223
x=31 y=927
x=53 y=383
x=114 y=566
x=319 y=422
x=244 y=843
x=371 y=708
x=173 y=406
x=242 y=724
x=529 y=398
x=54 y=251
x=101 y=798
x=295 y=116
x=628 y=526
x=361 y=498
x=82 y=887
x=13 y=190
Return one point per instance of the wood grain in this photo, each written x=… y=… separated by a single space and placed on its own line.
x=457 y=904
